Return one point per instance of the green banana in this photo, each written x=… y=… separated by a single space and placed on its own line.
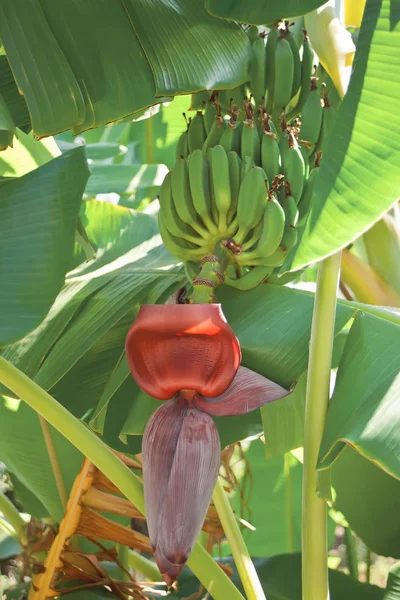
x=290 y=208
x=170 y=217
x=305 y=201
x=277 y=279
x=215 y=134
x=328 y=119
x=292 y=163
x=289 y=239
x=220 y=183
x=235 y=166
x=252 y=237
x=284 y=72
x=198 y=100
x=311 y=116
x=250 y=141
x=296 y=61
x=197 y=132
x=182 y=146
x=257 y=70
x=230 y=139
x=270 y=48
x=183 y=198
x=270 y=154
x=272 y=230
x=176 y=246
x=247 y=164
x=209 y=114
x=200 y=188
x=274 y=260
x=251 y=279
x=253 y=197
x=252 y=33
x=307 y=65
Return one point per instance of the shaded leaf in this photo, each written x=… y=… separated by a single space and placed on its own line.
x=26 y=155
x=124 y=178
x=393 y=584
x=37 y=233
x=369 y=499
x=9 y=547
x=23 y=450
x=77 y=81
x=260 y=12
x=364 y=411
x=358 y=179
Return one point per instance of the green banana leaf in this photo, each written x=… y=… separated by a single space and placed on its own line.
x=9 y=547
x=382 y=247
x=26 y=155
x=369 y=499
x=123 y=179
x=364 y=411
x=14 y=101
x=23 y=450
x=359 y=178
x=392 y=591
x=38 y=213
x=85 y=64
x=260 y=12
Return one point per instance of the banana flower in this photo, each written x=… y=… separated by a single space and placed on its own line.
x=187 y=354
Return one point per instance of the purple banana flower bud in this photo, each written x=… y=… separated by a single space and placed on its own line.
x=248 y=391
x=181 y=458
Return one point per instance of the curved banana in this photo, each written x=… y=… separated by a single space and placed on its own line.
x=198 y=100
x=270 y=155
x=210 y=112
x=257 y=70
x=200 y=188
x=284 y=72
x=182 y=197
x=270 y=49
x=252 y=33
x=253 y=237
x=197 y=132
x=235 y=166
x=230 y=139
x=272 y=230
x=307 y=67
x=247 y=164
x=333 y=44
x=250 y=141
x=220 y=183
x=290 y=209
x=289 y=239
x=311 y=116
x=170 y=217
x=215 y=134
x=328 y=119
x=274 y=260
x=176 y=246
x=293 y=166
x=296 y=61
x=182 y=146
x=253 y=197
x=249 y=280
x=305 y=201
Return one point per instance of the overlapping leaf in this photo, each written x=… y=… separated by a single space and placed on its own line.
x=37 y=232
x=71 y=79
x=260 y=12
x=359 y=178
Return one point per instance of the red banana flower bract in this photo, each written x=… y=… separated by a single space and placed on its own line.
x=190 y=353
x=182 y=346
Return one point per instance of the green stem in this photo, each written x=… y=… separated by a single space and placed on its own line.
x=241 y=556
x=11 y=514
x=351 y=551
x=314 y=521
x=145 y=566
x=55 y=465
x=149 y=141
x=287 y=470
x=201 y=563
x=123 y=558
